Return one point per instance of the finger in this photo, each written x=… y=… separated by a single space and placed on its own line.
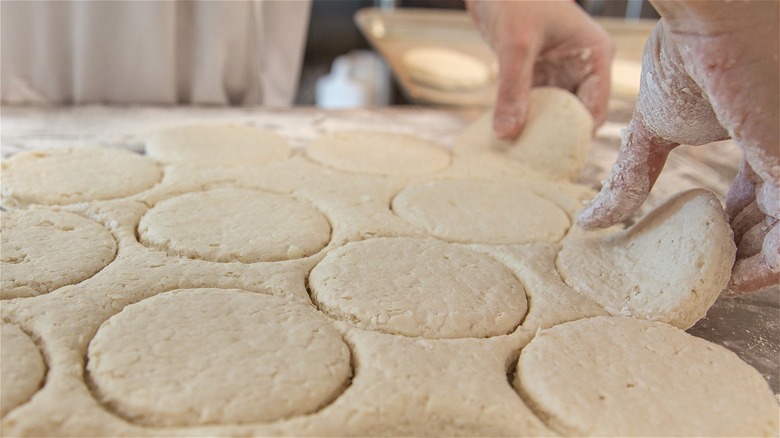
x=742 y=191
x=640 y=161
x=515 y=73
x=759 y=271
x=752 y=241
x=768 y=199
x=594 y=90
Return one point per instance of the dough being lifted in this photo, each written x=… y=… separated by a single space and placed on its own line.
x=45 y=250
x=216 y=145
x=213 y=356
x=670 y=266
x=446 y=69
x=418 y=287
x=207 y=226
x=610 y=376
x=555 y=141
x=469 y=211
x=378 y=153
x=68 y=176
x=21 y=368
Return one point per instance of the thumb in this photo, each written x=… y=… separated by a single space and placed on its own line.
x=515 y=73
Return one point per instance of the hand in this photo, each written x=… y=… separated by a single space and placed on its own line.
x=709 y=72
x=543 y=43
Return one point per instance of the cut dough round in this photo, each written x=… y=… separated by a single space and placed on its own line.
x=610 y=376
x=418 y=287
x=555 y=141
x=481 y=212
x=379 y=153
x=68 y=176
x=21 y=368
x=206 y=226
x=446 y=69
x=207 y=356
x=670 y=267
x=216 y=145
x=45 y=250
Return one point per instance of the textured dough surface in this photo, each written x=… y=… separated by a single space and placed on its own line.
x=418 y=287
x=378 y=153
x=216 y=145
x=446 y=69
x=45 y=250
x=555 y=141
x=205 y=356
x=469 y=211
x=228 y=225
x=68 y=176
x=611 y=376
x=670 y=267
x=21 y=368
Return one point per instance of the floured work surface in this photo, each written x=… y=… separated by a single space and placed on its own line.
x=341 y=294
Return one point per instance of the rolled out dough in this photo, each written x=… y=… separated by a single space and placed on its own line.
x=470 y=211
x=68 y=176
x=612 y=376
x=235 y=225
x=213 y=356
x=418 y=287
x=216 y=145
x=446 y=69
x=21 y=368
x=670 y=267
x=555 y=141
x=44 y=250
x=379 y=153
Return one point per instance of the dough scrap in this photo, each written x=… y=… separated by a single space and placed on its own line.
x=69 y=176
x=205 y=226
x=21 y=368
x=446 y=69
x=45 y=250
x=613 y=376
x=418 y=287
x=378 y=153
x=216 y=145
x=469 y=211
x=213 y=356
x=670 y=267
x=555 y=141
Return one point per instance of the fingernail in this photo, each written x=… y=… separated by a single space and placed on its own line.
x=505 y=126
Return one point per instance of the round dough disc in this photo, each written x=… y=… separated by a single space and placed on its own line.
x=379 y=153
x=68 y=176
x=21 y=368
x=207 y=226
x=670 y=267
x=213 y=356
x=216 y=145
x=45 y=250
x=481 y=212
x=612 y=376
x=446 y=69
x=418 y=287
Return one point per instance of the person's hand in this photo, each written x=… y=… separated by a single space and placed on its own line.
x=543 y=43
x=709 y=72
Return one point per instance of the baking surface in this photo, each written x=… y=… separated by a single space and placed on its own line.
x=748 y=325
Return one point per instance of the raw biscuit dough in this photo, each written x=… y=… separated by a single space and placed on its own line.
x=418 y=287
x=68 y=176
x=446 y=69
x=45 y=250
x=470 y=211
x=612 y=376
x=555 y=141
x=216 y=145
x=214 y=356
x=670 y=267
x=378 y=153
x=229 y=225
x=21 y=368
